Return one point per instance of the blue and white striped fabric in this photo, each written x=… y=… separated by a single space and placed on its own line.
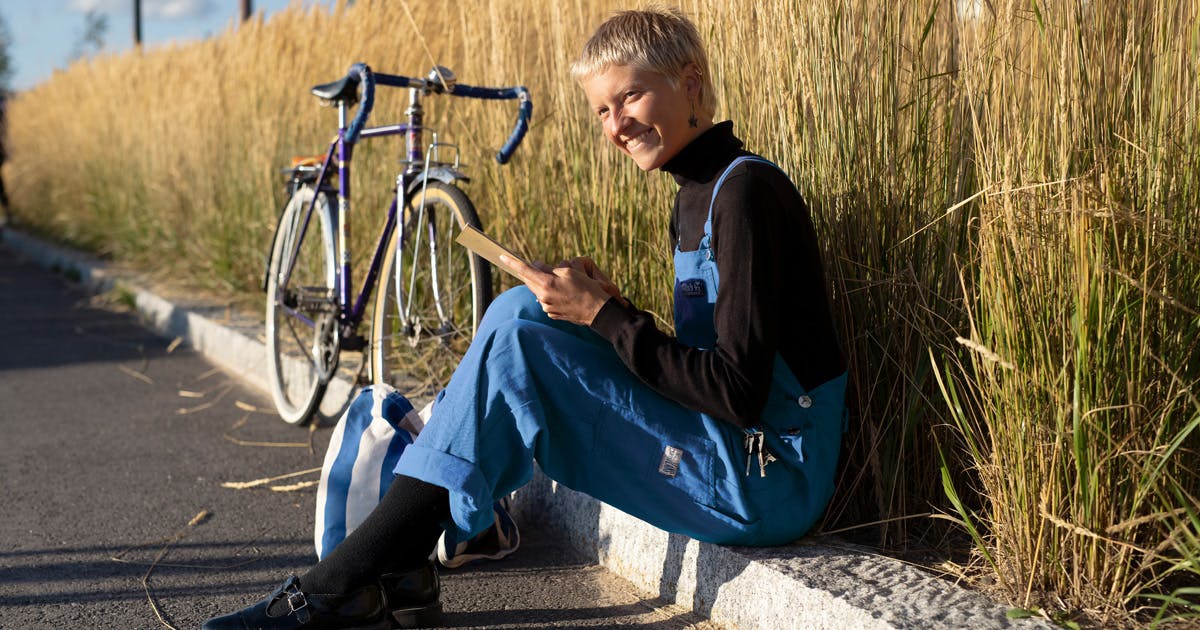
x=359 y=465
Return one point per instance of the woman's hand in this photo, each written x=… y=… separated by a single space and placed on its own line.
x=588 y=267
x=573 y=291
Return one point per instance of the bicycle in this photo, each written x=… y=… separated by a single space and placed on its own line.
x=437 y=292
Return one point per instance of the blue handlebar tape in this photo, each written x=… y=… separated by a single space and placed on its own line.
x=518 y=134
x=489 y=93
x=392 y=80
x=366 y=101
x=368 y=80
x=523 y=114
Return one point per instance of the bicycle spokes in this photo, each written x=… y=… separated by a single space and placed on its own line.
x=302 y=332
x=438 y=288
x=425 y=284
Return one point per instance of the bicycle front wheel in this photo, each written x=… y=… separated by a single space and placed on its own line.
x=302 y=331
x=432 y=293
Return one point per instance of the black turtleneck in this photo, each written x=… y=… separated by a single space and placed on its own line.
x=772 y=296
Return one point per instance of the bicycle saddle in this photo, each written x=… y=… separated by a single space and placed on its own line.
x=344 y=90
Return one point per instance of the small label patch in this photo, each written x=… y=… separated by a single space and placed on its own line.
x=693 y=288
x=669 y=465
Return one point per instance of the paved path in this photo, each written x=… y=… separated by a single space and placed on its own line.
x=113 y=441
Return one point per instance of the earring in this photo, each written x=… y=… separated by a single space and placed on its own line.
x=693 y=122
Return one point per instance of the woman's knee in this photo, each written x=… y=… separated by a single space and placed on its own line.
x=519 y=306
x=516 y=303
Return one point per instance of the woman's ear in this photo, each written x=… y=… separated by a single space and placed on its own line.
x=692 y=81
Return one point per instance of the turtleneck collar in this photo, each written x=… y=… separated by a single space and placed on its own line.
x=703 y=157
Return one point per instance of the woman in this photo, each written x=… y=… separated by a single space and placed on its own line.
x=727 y=432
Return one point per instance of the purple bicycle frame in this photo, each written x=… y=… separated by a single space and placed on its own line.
x=343 y=147
x=352 y=316
x=413 y=132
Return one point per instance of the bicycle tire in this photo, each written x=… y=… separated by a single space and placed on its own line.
x=415 y=346
x=301 y=317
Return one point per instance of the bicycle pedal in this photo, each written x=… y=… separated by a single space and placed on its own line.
x=354 y=343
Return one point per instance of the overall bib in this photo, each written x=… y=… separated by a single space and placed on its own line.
x=531 y=388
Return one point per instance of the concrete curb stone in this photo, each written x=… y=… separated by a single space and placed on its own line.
x=804 y=585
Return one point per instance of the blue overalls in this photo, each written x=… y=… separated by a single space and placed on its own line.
x=531 y=388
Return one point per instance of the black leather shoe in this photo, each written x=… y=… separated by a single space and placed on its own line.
x=413 y=597
x=289 y=608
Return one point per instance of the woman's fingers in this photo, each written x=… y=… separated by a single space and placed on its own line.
x=569 y=294
x=520 y=268
x=588 y=267
x=538 y=276
x=573 y=292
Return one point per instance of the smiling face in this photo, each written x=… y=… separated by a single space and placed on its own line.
x=644 y=114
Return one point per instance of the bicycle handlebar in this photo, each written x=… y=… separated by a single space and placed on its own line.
x=524 y=112
x=360 y=73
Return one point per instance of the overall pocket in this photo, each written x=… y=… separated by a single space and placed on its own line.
x=663 y=460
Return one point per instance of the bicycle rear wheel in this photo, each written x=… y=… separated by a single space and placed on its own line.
x=432 y=293
x=302 y=331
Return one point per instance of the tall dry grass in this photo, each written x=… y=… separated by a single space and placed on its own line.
x=1006 y=191
x=1079 y=402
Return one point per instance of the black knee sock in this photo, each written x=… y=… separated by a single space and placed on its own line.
x=399 y=534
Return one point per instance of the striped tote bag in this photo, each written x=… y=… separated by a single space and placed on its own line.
x=363 y=451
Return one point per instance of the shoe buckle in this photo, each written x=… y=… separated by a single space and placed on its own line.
x=295 y=599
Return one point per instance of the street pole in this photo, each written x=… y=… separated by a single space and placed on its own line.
x=247 y=9
x=137 y=23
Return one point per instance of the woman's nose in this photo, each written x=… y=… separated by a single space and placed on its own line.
x=616 y=123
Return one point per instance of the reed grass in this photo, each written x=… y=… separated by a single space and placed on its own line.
x=1006 y=191
x=1081 y=412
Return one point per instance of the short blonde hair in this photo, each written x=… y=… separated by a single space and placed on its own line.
x=657 y=39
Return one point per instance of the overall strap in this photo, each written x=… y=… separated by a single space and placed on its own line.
x=707 y=238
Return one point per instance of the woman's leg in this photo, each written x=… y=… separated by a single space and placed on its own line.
x=378 y=577
x=396 y=536
x=532 y=388
x=401 y=531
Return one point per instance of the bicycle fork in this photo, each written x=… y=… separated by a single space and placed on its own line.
x=426 y=216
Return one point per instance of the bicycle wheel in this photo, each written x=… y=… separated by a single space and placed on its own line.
x=302 y=331
x=432 y=293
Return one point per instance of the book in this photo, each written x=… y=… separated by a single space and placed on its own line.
x=487 y=247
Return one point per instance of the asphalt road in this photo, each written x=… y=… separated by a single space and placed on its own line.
x=114 y=448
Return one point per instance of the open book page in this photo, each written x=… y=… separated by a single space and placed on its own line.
x=487 y=247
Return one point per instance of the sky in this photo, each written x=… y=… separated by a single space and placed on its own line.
x=45 y=33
